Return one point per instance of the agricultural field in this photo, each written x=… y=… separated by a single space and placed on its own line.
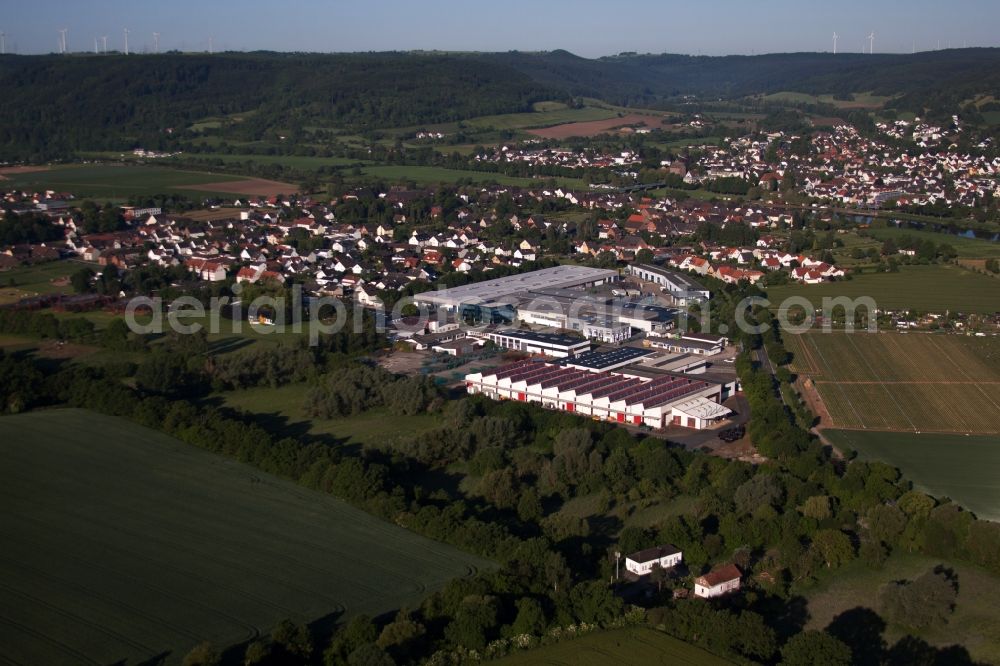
x=595 y=127
x=911 y=382
x=973 y=624
x=932 y=288
x=544 y=115
x=428 y=175
x=964 y=468
x=969 y=248
x=864 y=100
x=304 y=163
x=122 y=182
x=122 y=544
x=48 y=278
x=621 y=646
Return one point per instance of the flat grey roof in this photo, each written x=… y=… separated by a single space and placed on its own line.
x=599 y=360
x=492 y=290
x=675 y=277
x=547 y=338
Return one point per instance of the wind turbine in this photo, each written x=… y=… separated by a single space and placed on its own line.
x=835 y=38
x=104 y=38
x=871 y=43
x=62 y=40
x=95 y=45
x=126 y=41
x=210 y=50
x=156 y=42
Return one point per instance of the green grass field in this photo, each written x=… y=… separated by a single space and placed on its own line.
x=969 y=248
x=914 y=382
x=292 y=161
x=121 y=544
x=638 y=646
x=425 y=175
x=861 y=100
x=964 y=468
x=374 y=428
x=19 y=283
x=934 y=288
x=973 y=623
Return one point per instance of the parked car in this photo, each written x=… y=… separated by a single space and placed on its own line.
x=732 y=434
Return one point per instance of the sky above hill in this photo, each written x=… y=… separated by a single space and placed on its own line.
x=585 y=27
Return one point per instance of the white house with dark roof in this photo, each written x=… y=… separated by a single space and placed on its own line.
x=641 y=563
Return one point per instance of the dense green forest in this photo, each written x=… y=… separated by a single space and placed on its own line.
x=55 y=105
x=919 y=77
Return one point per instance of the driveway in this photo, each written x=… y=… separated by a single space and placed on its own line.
x=695 y=439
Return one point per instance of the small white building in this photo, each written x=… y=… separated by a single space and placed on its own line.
x=641 y=563
x=698 y=413
x=719 y=581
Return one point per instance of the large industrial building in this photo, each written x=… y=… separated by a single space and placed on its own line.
x=546 y=344
x=637 y=396
x=680 y=287
x=498 y=292
x=563 y=298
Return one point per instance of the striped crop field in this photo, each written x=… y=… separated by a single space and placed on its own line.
x=912 y=382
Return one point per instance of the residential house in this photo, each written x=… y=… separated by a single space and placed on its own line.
x=641 y=563
x=721 y=580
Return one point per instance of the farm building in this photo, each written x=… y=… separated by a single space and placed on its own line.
x=641 y=563
x=719 y=581
x=654 y=401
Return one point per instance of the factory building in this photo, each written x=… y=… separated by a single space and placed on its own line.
x=680 y=287
x=546 y=344
x=655 y=401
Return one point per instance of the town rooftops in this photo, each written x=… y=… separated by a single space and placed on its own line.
x=655 y=553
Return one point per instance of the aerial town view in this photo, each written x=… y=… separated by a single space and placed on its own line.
x=550 y=333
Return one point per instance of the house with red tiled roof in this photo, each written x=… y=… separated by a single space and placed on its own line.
x=719 y=581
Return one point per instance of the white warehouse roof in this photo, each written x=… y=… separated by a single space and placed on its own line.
x=702 y=408
x=492 y=290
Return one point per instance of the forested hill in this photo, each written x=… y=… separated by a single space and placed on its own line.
x=53 y=105
x=921 y=78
